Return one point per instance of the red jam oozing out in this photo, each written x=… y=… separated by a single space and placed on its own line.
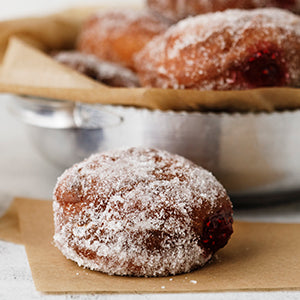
x=217 y=231
x=265 y=68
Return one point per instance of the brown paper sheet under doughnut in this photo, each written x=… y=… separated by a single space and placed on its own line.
x=259 y=256
x=9 y=225
x=27 y=70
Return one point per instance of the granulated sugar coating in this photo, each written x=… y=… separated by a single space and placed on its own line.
x=119 y=34
x=235 y=49
x=140 y=212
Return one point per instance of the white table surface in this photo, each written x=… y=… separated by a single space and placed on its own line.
x=23 y=172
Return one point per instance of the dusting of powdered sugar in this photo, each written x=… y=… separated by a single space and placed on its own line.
x=131 y=212
x=197 y=52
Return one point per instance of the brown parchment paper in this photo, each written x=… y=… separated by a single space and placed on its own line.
x=26 y=70
x=57 y=31
x=258 y=257
x=9 y=225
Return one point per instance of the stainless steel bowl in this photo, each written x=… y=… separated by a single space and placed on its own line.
x=255 y=156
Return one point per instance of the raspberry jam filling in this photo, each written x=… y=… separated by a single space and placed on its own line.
x=217 y=231
x=265 y=68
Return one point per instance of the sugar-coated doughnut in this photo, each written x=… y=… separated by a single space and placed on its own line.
x=180 y=9
x=235 y=49
x=117 y=35
x=105 y=72
x=140 y=212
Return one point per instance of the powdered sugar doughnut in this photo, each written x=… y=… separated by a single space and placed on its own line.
x=180 y=9
x=108 y=73
x=235 y=49
x=117 y=35
x=140 y=212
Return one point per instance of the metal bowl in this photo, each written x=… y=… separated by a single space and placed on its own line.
x=255 y=156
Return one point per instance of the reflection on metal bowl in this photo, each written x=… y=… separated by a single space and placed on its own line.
x=255 y=156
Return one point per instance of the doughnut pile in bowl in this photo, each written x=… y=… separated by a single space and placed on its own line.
x=220 y=49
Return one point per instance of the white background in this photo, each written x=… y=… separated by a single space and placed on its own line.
x=18 y=8
x=24 y=173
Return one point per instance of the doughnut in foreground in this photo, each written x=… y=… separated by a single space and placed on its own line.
x=180 y=9
x=117 y=35
x=235 y=49
x=140 y=212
